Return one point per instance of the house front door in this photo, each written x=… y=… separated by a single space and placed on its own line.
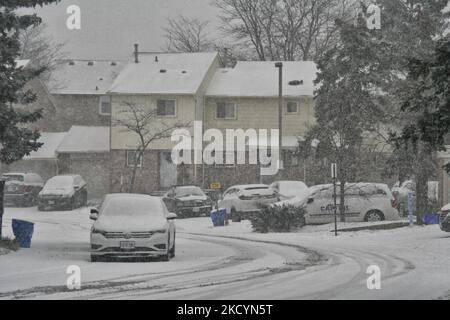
x=168 y=171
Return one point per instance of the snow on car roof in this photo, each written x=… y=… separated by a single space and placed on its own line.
x=91 y=77
x=85 y=139
x=260 y=79
x=164 y=73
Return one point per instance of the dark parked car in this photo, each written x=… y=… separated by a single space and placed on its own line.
x=188 y=201
x=63 y=192
x=444 y=218
x=22 y=189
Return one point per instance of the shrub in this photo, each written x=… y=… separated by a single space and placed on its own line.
x=284 y=218
x=10 y=244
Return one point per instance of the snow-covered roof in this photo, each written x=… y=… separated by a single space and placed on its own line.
x=86 y=140
x=50 y=141
x=90 y=77
x=260 y=79
x=164 y=73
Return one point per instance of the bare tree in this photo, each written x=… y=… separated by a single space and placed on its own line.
x=148 y=128
x=284 y=29
x=184 y=34
x=40 y=49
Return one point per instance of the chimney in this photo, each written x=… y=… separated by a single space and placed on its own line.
x=136 y=53
x=156 y=59
x=225 y=57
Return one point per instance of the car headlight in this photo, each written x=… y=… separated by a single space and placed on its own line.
x=97 y=231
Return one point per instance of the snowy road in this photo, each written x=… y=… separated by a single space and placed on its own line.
x=230 y=263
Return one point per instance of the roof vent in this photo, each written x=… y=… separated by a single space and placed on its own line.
x=101 y=79
x=184 y=72
x=90 y=63
x=96 y=88
x=114 y=63
x=156 y=59
x=163 y=71
x=71 y=63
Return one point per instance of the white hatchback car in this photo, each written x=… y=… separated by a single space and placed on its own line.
x=130 y=225
x=363 y=202
x=241 y=201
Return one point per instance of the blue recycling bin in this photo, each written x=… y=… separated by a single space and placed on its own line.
x=218 y=217
x=431 y=219
x=23 y=231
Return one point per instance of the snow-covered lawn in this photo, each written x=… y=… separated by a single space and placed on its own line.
x=415 y=261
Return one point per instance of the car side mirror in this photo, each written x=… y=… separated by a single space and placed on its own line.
x=310 y=200
x=94 y=214
x=172 y=216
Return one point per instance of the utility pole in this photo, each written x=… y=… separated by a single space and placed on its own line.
x=279 y=65
x=334 y=176
x=2 y=188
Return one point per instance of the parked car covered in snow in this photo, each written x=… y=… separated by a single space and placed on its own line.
x=241 y=201
x=130 y=225
x=290 y=189
x=66 y=192
x=363 y=202
x=444 y=218
x=188 y=201
x=22 y=189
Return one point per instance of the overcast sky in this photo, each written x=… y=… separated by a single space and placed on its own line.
x=109 y=28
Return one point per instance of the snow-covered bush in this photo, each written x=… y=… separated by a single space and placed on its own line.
x=284 y=218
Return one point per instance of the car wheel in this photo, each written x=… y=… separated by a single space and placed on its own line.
x=235 y=216
x=172 y=250
x=73 y=204
x=374 y=216
x=166 y=256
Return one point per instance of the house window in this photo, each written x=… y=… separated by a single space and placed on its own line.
x=166 y=108
x=292 y=107
x=131 y=157
x=226 y=110
x=105 y=105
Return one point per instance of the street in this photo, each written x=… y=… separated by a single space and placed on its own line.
x=229 y=263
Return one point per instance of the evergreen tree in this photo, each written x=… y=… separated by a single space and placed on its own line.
x=348 y=103
x=16 y=140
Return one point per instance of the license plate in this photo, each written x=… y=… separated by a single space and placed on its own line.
x=51 y=202
x=127 y=245
x=12 y=188
x=196 y=210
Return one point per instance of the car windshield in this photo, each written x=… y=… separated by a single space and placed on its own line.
x=256 y=188
x=133 y=206
x=188 y=191
x=11 y=177
x=62 y=182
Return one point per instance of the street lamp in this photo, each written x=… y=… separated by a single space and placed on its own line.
x=279 y=65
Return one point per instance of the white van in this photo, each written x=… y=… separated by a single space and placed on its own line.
x=363 y=202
